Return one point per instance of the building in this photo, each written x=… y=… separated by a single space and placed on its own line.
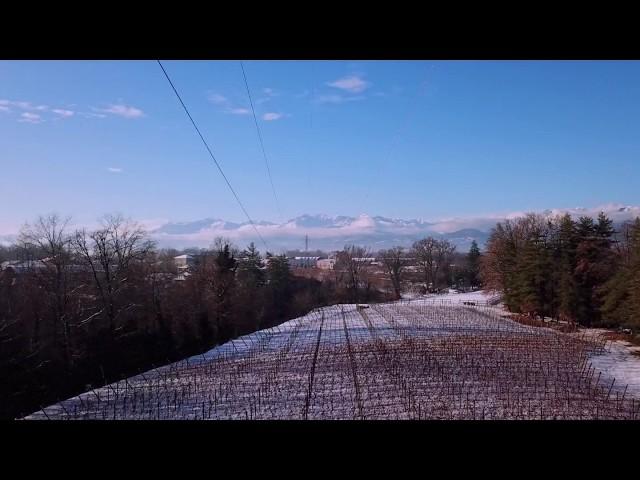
x=303 y=262
x=184 y=262
x=326 y=263
x=19 y=266
x=368 y=260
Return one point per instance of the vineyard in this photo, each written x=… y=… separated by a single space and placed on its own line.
x=403 y=360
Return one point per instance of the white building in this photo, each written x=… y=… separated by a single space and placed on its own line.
x=303 y=262
x=183 y=262
x=326 y=263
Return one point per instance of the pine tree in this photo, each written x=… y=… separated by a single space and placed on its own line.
x=533 y=277
x=634 y=281
x=565 y=269
x=250 y=272
x=249 y=305
x=594 y=266
x=621 y=295
x=473 y=265
x=224 y=283
x=586 y=256
x=279 y=287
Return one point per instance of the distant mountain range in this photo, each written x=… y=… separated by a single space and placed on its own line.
x=324 y=232
x=333 y=232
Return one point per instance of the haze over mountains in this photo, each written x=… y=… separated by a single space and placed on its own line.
x=333 y=232
x=324 y=232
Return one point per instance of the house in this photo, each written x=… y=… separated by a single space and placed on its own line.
x=326 y=263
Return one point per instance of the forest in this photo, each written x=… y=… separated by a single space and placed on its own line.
x=585 y=272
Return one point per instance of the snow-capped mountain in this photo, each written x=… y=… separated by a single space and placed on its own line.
x=333 y=232
x=324 y=232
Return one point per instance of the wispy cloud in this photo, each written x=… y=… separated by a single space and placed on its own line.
x=27 y=117
x=271 y=116
x=218 y=99
x=4 y=108
x=125 y=111
x=226 y=104
x=24 y=105
x=63 y=112
x=115 y=170
x=337 y=98
x=92 y=115
x=269 y=94
x=351 y=84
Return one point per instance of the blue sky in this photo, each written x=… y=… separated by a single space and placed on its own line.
x=426 y=139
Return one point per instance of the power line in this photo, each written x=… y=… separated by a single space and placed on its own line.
x=212 y=155
x=264 y=153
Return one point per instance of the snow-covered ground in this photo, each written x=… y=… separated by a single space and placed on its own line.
x=430 y=357
x=620 y=361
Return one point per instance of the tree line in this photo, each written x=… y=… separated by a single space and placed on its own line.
x=581 y=271
x=79 y=309
x=437 y=266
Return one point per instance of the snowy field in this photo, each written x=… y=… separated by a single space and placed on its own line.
x=450 y=356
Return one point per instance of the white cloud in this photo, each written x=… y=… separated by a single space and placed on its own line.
x=270 y=116
x=239 y=111
x=4 y=108
x=218 y=99
x=270 y=93
x=115 y=170
x=351 y=84
x=27 y=117
x=336 y=98
x=120 y=110
x=227 y=105
x=23 y=105
x=63 y=113
x=92 y=115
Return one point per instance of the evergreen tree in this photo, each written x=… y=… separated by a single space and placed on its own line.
x=634 y=281
x=250 y=272
x=565 y=269
x=533 y=277
x=621 y=300
x=473 y=266
x=250 y=296
x=279 y=288
x=594 y=266
x=224 y=283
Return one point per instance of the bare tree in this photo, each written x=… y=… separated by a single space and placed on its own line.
x=444 y=251
x=110 y=253
x=354 y=261
x=46 y=243
x=433 y=256
x=424 y=252
x=394 y=263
